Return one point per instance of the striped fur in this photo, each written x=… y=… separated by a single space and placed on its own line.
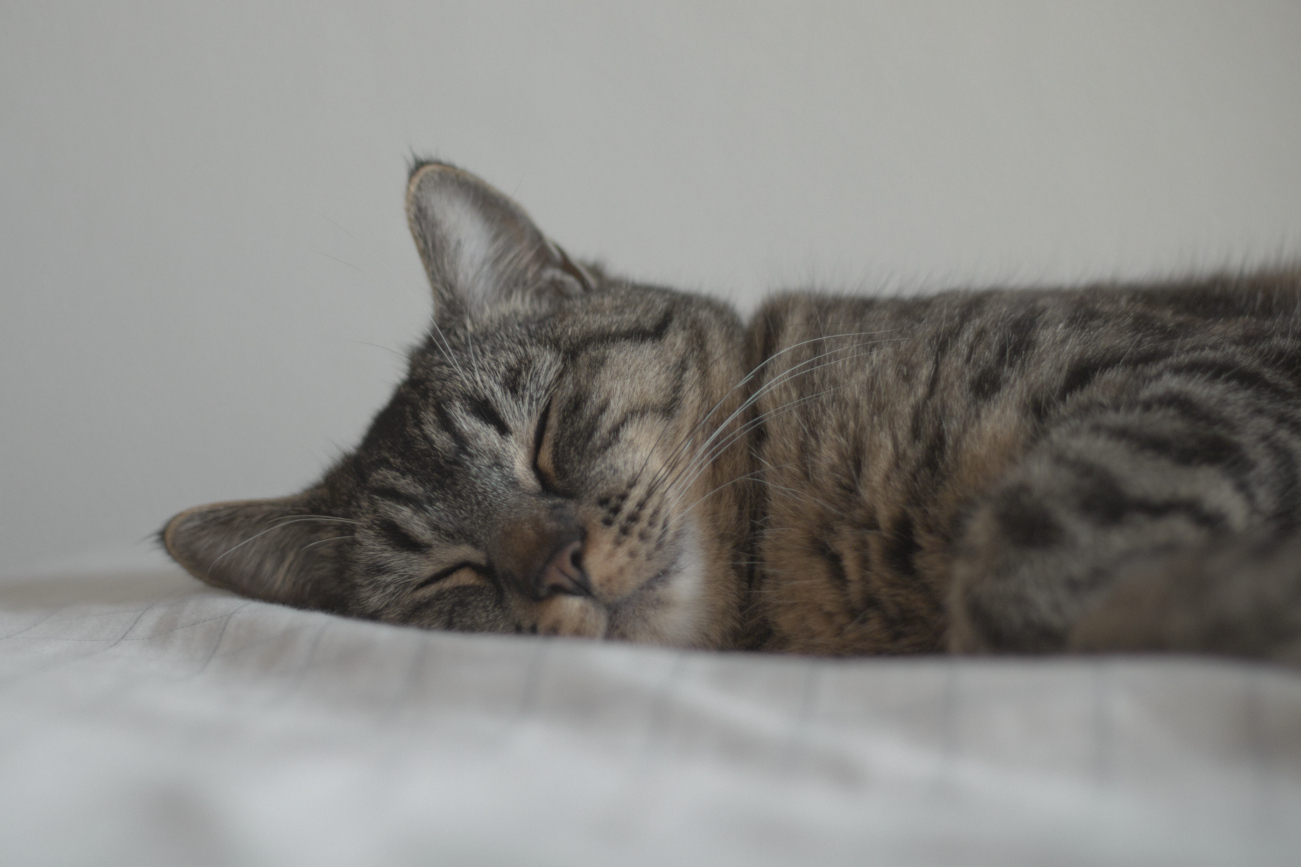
x=1106 y=468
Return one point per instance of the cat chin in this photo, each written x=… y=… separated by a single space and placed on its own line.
x=667 y=609
x=572 y=616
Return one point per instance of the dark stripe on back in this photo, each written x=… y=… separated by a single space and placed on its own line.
x=1086 y=371
x=1013 y=346
x=1101 y=497
x=1187 y=447
x=1223 y=371
x=1188 y=408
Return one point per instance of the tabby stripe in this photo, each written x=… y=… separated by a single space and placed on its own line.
x=616 y=430
x=487 y=413
x=583 y=427
x=394 y=495
x=1101 y=497
x=666 y=410
x=514 y=379
x=835 y=561
x=901 y=546
x=1013 y=346
x=1188 y=448
x=1226 y=372
x=653 y=334
x=450 y=427
x=922 y=410
x=1189 y=408
x=1082 y=374
x=400 y=538
x=1194 y=409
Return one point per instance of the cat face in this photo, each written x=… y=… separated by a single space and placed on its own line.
x=565 y=456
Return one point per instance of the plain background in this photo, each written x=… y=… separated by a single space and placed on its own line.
x=205 y=271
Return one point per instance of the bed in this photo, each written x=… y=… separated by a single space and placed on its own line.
x=147 y=719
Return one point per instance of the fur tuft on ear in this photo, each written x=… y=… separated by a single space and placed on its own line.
x=479 y=248
x=277 y=550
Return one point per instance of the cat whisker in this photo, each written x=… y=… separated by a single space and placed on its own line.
x=767 y=387
x=684 y=512
x=297 y=520
x=323 y=541
x=702 y=463
x=446 y=347
x=794 y=370
x=795 y=491
x=749 y=376
x=754 y=476
x=401 y=355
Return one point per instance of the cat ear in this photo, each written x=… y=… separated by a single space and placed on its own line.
x=479 y=248
x=275 y=550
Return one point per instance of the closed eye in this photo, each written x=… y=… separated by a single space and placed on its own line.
x=539 y=437
x=449 y=572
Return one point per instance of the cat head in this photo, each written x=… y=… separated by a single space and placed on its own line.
x=566 y=455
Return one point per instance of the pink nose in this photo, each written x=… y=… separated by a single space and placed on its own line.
x=564 y=573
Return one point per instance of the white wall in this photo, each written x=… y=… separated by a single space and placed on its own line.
x=203 y=260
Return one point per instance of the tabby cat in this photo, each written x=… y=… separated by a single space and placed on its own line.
x=571 y=453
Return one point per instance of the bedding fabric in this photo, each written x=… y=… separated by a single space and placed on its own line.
x=145 y=719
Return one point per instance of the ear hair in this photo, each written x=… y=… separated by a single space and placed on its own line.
x=479 y=248
x=276 y=550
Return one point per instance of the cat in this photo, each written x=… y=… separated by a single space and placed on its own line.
x=1109 y=468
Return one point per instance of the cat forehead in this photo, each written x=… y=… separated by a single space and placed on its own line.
x=504 y=346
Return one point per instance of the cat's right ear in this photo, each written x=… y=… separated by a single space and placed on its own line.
x=480 y=249
x=281 y=550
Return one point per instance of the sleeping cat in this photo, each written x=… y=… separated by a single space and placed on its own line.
x=571 y=453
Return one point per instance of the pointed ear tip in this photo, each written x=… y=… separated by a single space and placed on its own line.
x=419 y=164
x=423 y=171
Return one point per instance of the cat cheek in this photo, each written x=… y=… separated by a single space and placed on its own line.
x=616 y=567
x=572 y=616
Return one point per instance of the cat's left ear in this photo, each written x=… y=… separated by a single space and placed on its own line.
x=278 y=550
x=480 y=249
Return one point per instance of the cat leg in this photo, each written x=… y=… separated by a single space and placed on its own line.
x=1143 y=528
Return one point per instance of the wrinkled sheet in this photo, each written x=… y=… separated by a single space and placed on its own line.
x=145 y=719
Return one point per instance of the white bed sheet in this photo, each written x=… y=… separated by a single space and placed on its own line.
x=145 y=719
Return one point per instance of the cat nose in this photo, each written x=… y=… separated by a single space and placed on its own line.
x=564 y=573
x=541 y=554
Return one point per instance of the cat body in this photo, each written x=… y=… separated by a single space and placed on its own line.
x=1106 y=468
x=979 y=470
